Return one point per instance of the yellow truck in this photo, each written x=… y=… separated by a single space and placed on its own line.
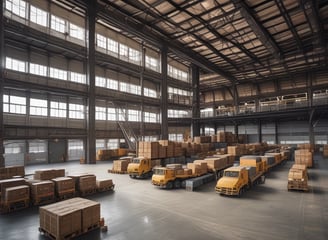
x=141 y=167
x=237 y=179
x=174 y=176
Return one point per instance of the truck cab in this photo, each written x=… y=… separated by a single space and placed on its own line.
x=140 y=168
x=163 y=177
x=233 y=182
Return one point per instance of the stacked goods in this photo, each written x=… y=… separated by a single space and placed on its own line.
x=285 y=154
x=156 y=162
x=69 y=218
x=17 y=194
x=106 y=154
x=162 y=151
x=120 y=165
x=252 y=161
x=325 y=150
x=48 y=174
x=174 y=166
x=230 y=137
x=221 y=137
x=297 y=177
x=204 y=147
x=304 y=156
x=42 y=192
x=11 y=171
x=178 y=150
x=87 y=184
x=229 y=158
x=213 y=138
x=236 y=150
x=216 y=163
x=6 y=183
x=242 y=138
x=64 y=187
x=202 y=139
x=307 y=146
x=148 y=149
x=104 y=185
x=202 y=166
x=169 y=147
x=251 y=172
x=277 y=156
x=122 y=152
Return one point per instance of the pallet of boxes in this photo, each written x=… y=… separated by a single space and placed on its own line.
x=120 y=166
x=304 y=156
x=298 y=178
x=69 y=218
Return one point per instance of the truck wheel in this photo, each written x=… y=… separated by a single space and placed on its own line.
x=240 y=192
x=169 y=185
x=177 y=184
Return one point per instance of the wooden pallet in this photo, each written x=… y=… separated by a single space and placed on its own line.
x=91 y=228
x=105 y=189
x=41 y=200
x=117 y=171
x=51 y=236
x=88 y=192
x=300 y=186
x=14 y=205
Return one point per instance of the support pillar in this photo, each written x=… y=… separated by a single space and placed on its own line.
x=276 y=140
x=142 y=107
x=2 y=67
x=259 y=131
x=195 y=127
x=311 y=128
x=164 y=95
x=91 y=102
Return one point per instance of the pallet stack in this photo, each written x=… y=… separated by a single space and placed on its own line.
x=325 y=150
x=304 y=156
x=42 y=192
x=298 y=178
x=70 y=218
x=64 y=187
x=11 y=171
x=148 y=149
x=48 y=174
x=104 y=185
x=85 y=184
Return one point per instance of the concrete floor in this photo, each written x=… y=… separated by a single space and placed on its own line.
x=138 y=210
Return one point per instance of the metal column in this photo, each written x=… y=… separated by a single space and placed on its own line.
x=164 y=95
x=195 y=101
x=2 y=66
x=259 y=131
x=91 y=123
x=276 y=140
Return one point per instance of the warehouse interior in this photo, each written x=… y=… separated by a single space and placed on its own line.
x=83 y=77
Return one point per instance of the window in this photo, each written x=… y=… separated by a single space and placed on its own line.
x=38 y=107
x=113 y=84
x=134 y=56
x=134 y=89
x=111 y=114
x=17 y=7
x=38 y=69
x=150 y=117
x=76 y=31
x=124 y=87
x=77 y=77
x=177 y=113
x=134 y=115
x=150 y=138
x=39 y=16
x=37 y=147
x=150 y=93
x=100 y=82
x=177 y=74
x=57 y=24
x=176 y=137
x=76 y=111
x=58 y=109
x=113 y=143
x=100 y=113
x=152 y=63
x=100 y=144
x=14 y=146
x=15 y=65
x=58 y=73
x=112 y=45
x=124 y=52
x=75 y=149
x=14 y=104
x=101 y=41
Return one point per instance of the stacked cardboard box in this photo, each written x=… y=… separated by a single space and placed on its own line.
x=325 y=150
x=230 y=159
x=169 y=147
x=69 y=218
x=77 y=179
x=120 y=165
x=104 y=184
x=202 y=169
x=7 y=183
x=213 y=138
x=148 y=149
x=270 y=160
x=304 y=156
x=17 y=194
x=216 y=163
x=87 y=183
x=106 y=154
x=237 y=150
x=64 y=185
x=306 y=146
x=11 y=171
x=44 y=190
x=297 y=177
x=48 y=174
x=162 y=151
x=204 y=147
x=220 y=137
x=122 y=152
x=277 y=156
x=202 y=139
x=252 y=161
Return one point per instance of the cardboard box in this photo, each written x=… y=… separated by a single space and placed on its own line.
x=87 y=183
x=7 y=183
x=120 y=165
x=48 y=174
x=18 y=193
x=43 y=188
x=64 y=184
x=104 y=183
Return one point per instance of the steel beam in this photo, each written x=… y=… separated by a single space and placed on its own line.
x=195 y=101
x=164 y=95
x=2 y=67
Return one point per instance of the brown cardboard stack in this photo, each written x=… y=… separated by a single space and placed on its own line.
x=11 y=171
x=7 y=183
x=42 y=190
x=48 y=174
x=169 y=147
x=122 y=152
x=325 y=150
x=104 y=184
x=306 y=146
x=69 y=218
x=203 y=166
x=106 y=154
x=277 y=156
x=202 y=139
x=77 y=179
x=220 y=137
x=64 y=185
x=178 y=150
x=87 y=183
x=213 y=138
x=174 y=166
x=120 y=165
x=304 y=156
x=297 y=177
x=162 y=151
x=204 y=147
x=216 y=163
x=148 y=149
x=155 y=162
x=236 y=150
x=17 y=194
